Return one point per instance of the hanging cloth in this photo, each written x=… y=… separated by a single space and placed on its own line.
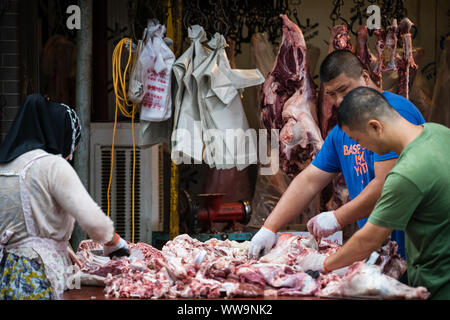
x=221 y=109
x=187 y=140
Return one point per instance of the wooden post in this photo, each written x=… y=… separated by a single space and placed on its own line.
x=83 y=103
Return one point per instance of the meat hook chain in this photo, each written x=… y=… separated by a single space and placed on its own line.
x=389 y=9
x=4 y=6
x=237 y=19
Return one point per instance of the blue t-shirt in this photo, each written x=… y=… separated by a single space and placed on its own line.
x=340 y=153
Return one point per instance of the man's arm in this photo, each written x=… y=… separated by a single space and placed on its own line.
x=361 y=206
x=358 y=247
x=305 y=186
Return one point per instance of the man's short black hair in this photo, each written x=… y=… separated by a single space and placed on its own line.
x=340 y=61
x=362 y=104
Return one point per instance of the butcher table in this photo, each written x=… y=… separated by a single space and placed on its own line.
x=96 y=293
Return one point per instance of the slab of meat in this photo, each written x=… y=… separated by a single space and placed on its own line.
x=391 y=47
x=406 y=61
x=300 y=136
x=284 y=79
x=390 y=261
x=379 y=64
x=289 y=102
x=340 y=39
x=289 y=249
x=364 y=280
x=368 y=59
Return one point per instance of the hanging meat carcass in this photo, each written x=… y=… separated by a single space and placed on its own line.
x=368 y=59
x=406 y=61
x=289 y=102
x=379 y=47
x=285 y=77
x=391 y=46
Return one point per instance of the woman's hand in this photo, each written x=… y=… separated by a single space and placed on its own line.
x=74 y=257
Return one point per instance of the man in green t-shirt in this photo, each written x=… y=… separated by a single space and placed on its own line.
x=415 y=195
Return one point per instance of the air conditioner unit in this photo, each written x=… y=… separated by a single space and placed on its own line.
x=149 y=191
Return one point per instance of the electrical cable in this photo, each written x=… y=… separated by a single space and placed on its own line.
x=128 y=109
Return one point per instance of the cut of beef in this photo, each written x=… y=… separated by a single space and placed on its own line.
x=289 y=102
x=364 y=280
x=300 y=136
x=367 y=58
x=379 y=63
x=391 y=46
x=406 y=61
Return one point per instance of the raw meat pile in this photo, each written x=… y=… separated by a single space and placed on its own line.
x=188 y=268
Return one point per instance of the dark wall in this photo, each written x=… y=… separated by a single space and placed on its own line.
x=9 y=65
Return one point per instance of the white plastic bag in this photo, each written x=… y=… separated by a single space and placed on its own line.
x=137 y=78
x=158 y=59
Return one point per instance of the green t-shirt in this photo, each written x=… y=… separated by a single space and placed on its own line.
x=416 y=198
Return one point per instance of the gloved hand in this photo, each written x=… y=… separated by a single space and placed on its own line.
x=324 y=224
x=117 y=247
x=312 y=261
x=263 y=240
x=316 y=262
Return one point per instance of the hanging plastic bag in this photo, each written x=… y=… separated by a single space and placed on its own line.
x=137 y=77
x=157 y=59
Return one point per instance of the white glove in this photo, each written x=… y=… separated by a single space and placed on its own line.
x=316 y=262
x=324 y=224
x=312 y=261
x=119 y=248
x=340 y=272
x=263 y=240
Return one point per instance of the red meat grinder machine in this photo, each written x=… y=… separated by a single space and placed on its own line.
x=209 y=209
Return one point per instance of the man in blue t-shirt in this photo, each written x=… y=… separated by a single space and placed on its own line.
x=363 y=170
